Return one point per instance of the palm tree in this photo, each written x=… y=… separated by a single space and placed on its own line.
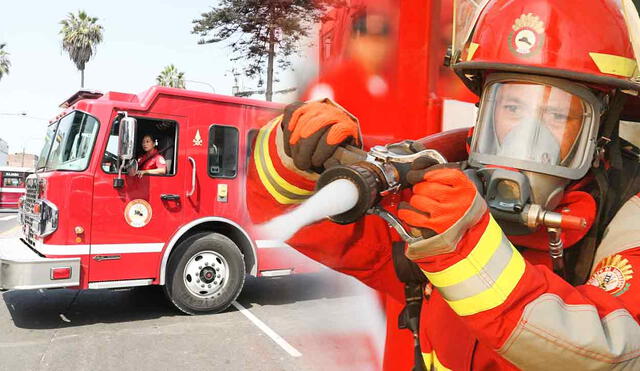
x=171 y=77
x=4 y=61
x=80 y=35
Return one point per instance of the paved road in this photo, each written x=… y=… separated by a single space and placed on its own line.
x=324 y=317
x=8 y=222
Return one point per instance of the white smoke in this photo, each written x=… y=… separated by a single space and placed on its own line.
x=335 y=198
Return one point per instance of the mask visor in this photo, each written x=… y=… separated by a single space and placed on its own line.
x=535 y=126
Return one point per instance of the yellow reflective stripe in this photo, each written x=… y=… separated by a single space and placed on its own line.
x=473 y=263
x=258 y=151
x=497 y=293
x=428 y=360
x=614 y=64
x=266 y=171
x=272 y=170
x=432 y=362
x=472 y=50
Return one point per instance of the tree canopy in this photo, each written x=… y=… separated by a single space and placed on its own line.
x=4 y=61
x=80 y=36
x=261 y=31
x=171 y=77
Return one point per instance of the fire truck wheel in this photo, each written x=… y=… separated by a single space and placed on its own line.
x=205 y=274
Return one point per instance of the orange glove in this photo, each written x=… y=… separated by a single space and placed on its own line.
x=312 y=131
x=440 y=198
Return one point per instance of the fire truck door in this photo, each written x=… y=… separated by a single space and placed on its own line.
x=132 y=224
x=212 y=160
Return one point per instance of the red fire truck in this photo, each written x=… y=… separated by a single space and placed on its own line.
x=87 y=224
x=12 y=186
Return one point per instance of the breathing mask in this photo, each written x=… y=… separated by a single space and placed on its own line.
x=534 y=135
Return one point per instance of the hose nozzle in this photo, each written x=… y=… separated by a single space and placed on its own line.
x=375 y=174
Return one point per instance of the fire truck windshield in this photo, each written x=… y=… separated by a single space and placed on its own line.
x=69 y=143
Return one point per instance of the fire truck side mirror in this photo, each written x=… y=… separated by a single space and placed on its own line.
x=126 y=137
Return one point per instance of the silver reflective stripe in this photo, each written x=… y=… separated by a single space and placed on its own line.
x=486 y=277
x=553 y=335
x=447 y=241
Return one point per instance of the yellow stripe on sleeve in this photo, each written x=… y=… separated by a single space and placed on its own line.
x=268 y=173
x=470 y=265
x=497 y=293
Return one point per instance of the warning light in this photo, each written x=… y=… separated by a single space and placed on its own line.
x=60 y=273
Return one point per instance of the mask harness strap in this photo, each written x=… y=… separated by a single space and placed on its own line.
x=414 y=283
x=609 y=187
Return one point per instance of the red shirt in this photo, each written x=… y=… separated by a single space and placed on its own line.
x=151 y=160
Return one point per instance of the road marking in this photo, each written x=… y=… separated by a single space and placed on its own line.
x=4 y=219
x=272 y=334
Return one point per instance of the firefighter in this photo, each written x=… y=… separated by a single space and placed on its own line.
x=554 y=83
x=361 y=80
x=151 y=161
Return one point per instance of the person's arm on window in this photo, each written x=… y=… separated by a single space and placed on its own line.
x=158 y=171
x=158 y=164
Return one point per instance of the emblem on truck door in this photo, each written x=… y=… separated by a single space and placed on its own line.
x=197 y=140
x=137 y=213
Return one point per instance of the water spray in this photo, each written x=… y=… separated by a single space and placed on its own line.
x=336 y=198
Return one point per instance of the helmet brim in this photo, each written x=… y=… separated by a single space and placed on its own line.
x=475 y=68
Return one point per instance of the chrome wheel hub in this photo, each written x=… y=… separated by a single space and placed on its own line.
x=206 y=273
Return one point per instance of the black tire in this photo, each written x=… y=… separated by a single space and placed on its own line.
x=186 y=274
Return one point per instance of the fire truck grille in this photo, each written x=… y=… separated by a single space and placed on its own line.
x=31 y=196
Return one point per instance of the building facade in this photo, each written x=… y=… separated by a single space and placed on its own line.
x=22 y=160
x=4 y=152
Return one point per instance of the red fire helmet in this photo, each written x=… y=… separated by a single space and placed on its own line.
x=585 y=41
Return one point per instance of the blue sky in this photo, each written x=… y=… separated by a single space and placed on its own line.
x=140 y=38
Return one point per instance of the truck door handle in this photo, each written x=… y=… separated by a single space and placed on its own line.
x=193 y=177
x=169 y=197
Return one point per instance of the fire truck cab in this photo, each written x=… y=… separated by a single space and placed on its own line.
x=90 y=222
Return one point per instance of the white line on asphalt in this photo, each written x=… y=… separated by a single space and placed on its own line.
x=17 y=344
x=272 y=334
x=4 y=219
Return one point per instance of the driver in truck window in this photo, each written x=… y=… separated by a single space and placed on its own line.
x=151 y=162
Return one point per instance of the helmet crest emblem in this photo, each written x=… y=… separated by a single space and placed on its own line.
x=527 y=35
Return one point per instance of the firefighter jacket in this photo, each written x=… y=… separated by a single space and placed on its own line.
x=493 y=306
x=151 y=160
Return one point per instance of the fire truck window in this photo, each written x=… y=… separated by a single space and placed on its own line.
x=223 y=151
x=163 y=131
x=11 y=182
x=110 y=158
x=73 y=142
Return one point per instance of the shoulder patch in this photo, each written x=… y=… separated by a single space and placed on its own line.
x=162 y=161
x=612 y=275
